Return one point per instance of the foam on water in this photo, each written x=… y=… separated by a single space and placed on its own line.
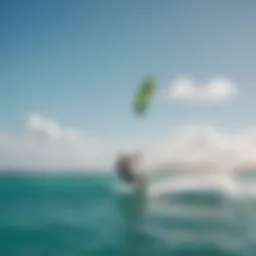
x=205 y=209
x=225 y=183
x=124 y=188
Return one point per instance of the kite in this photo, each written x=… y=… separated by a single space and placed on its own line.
x=144 y=96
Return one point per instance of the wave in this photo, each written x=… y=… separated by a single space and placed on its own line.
x=226 y=184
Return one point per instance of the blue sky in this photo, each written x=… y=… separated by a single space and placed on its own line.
x=79 y=62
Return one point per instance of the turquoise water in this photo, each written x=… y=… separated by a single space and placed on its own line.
x=86 y=215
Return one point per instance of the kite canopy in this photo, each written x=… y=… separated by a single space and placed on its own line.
x=144 y=95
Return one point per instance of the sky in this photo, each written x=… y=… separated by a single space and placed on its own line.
x=70 y=69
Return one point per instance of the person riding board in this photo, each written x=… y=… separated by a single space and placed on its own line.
x=125 y=169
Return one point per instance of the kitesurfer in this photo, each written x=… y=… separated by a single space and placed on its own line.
x=125 y=169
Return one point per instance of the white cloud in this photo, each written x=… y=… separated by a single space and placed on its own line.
x=217 y=89
x=45 y=128
x=202 y=147
x=45 y=144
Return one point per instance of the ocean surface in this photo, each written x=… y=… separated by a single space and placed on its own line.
x=86 y=214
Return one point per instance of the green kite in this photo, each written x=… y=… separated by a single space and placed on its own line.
x=144 y=95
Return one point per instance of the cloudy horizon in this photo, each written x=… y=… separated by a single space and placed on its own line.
x=44 y=144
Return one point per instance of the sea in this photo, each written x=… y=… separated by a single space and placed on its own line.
x=87 y=213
